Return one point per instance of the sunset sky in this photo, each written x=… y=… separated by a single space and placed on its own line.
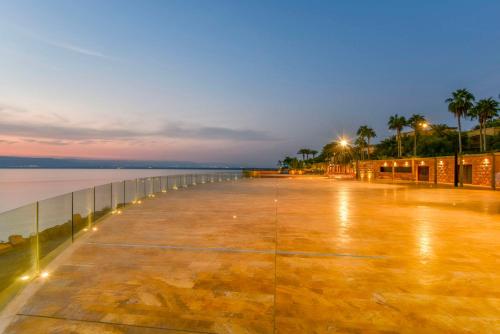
x=243 y=82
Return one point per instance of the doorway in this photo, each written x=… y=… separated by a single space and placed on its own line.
x=423 y=173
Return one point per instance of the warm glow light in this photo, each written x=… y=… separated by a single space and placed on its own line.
x=406 y=163
x=85 y=229
x=44 y=274
x=234 y=217
x=486 y=161
x=343 y=142
x=163 y=191
x=395 y=164
x=139 y=202
x=385 y=164
x=422 y=163
x=25 y=278
x=424 y=125
x=440 y=162
x=94 y=228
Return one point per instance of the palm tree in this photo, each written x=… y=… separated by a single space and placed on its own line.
x=459 y=104
x=361 y=144
x=366 y=133
x=288 y=161
x=397 y=123
x=416 y=122
x=303 y=152
x=313 y=153
x=484 y=110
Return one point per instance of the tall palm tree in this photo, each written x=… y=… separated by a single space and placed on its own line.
x=397 y=123
x=361 y=144
x=484 y=110
x=313 y=153
x=459 y=104
x=416 y=122
x=366 y=133
x=303 y=152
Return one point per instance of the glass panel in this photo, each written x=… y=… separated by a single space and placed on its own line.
x=118 y=194
x=102 y=200
x=130 y=191
x=173 y=182
x=54 y=223
x=164 y=184
x=17 y=249
x=83 y=204
x=156 y=184
x=148 y=186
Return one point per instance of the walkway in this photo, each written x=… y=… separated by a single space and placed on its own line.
x=283 y=256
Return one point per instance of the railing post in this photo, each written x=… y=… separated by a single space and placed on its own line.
x=124 y=191
x=72 y=218
x=37 y=239
x=93 y=208
x=111 y=197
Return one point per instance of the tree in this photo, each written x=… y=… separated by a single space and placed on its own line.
x=366 y=133
x=397 y=123
x=441 y=130
x=484 y=110
x=459 y=104
x=313 y=153
x=360 y=145
x=303 y=152
x=416 y=122
x=287 y=161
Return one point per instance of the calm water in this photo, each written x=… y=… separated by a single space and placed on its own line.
x=20 y=187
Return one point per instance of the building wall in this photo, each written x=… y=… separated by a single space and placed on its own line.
x=440 y=169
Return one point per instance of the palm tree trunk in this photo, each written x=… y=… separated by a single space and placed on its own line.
x=399 y=144
x=368 y=148
x=480 y=137
x=484 y=137
x=415 y=143
x=461 y=162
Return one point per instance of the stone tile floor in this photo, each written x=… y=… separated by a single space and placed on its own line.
x=304 y=255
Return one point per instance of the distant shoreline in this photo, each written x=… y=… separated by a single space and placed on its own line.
x=13 y=162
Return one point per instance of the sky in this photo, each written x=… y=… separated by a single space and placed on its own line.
x=241 y=82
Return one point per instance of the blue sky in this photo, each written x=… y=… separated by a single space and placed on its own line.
x=245 y=82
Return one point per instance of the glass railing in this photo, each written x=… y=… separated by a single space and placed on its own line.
x=32 y=235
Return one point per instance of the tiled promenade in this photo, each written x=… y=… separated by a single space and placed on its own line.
x=283 y=256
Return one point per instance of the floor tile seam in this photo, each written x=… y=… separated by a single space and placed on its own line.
x=238 y=250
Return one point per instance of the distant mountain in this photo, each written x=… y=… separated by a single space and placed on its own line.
x=23 y=162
